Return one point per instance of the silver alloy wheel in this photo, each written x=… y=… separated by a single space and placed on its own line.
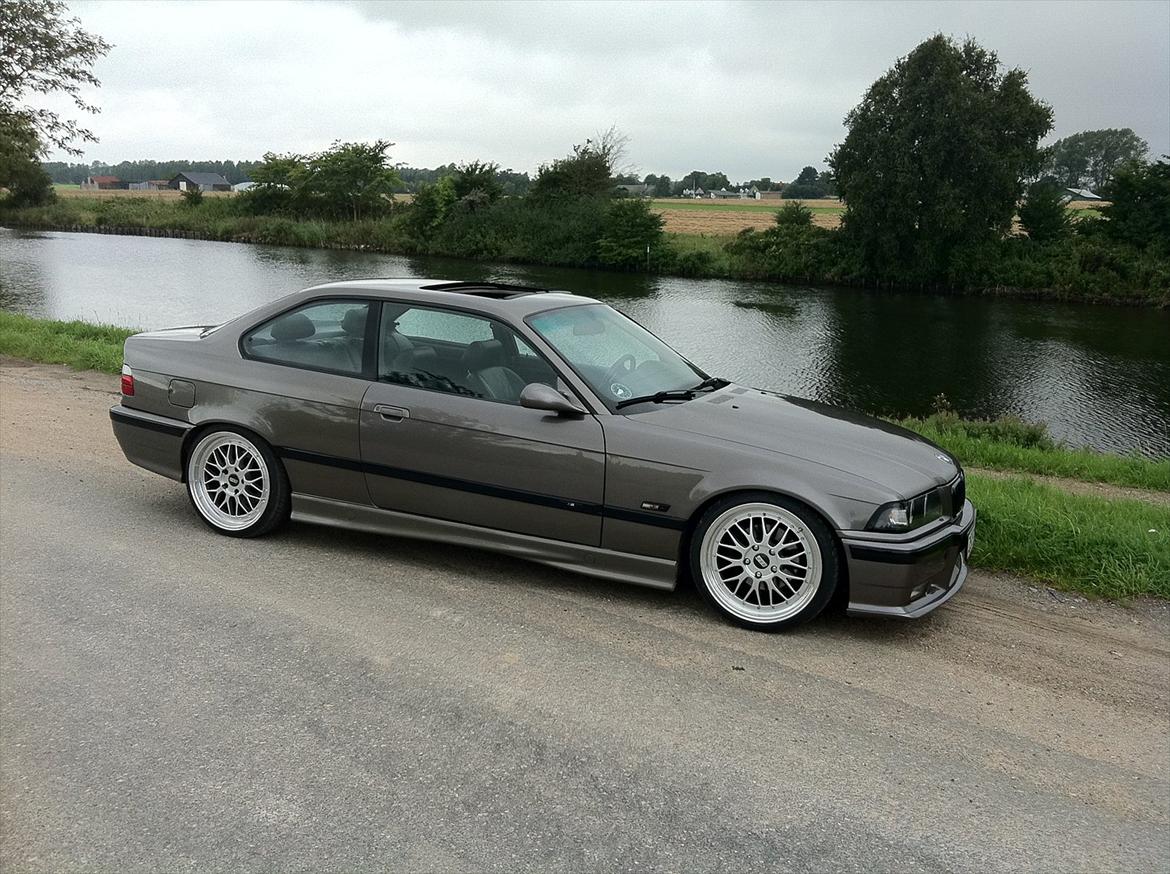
x=229 y=480
x=761 y=562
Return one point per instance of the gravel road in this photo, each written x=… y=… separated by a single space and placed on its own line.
x=174 y=700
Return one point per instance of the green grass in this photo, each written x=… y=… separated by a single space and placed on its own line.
x=80 y=345
x=1011 y=445
x=737 y=205
x=1097 y=546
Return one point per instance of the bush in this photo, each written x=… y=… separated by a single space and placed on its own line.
x=631 y=232
x=1043 y=214
x=192 y=196
x=794 y=215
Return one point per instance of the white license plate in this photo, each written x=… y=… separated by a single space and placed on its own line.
x=970 y=541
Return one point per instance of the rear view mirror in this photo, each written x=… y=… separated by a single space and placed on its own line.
x=538 y=396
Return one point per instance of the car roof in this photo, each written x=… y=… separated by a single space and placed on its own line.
x=496 y=298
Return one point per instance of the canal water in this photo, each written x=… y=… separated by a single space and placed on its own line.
x=1097 y=376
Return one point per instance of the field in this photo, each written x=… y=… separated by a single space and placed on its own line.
x=69 y=191
x=726 y=218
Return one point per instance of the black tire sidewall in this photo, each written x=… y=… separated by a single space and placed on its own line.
x=826 y=542
x=279 y=493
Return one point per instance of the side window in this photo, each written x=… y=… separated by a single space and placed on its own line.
x=456 y=353
x=319 y=336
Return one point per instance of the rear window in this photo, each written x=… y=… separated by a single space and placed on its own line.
x=326 y=336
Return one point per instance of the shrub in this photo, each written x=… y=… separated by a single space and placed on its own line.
x=1043 y=214
x=794 y=215
x=192 y=196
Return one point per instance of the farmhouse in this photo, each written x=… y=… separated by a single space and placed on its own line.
x=635 y=190
x=752 y=193
x=94 y=183
x=200 y=182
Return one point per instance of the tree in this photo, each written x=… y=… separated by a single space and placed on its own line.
x=806 y=186
x=349 y=179
x=935 y=157
x=45 y=51
x=20 y=172
x=476 y=183
x=1090 y=158
x=1043 y=214
x=661 y=185
x=587 y=172
x=1139 y=208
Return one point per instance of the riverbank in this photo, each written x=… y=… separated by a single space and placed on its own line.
x=588 y=234
x=1115 y=546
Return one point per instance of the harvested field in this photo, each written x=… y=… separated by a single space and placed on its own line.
x=64 y=191
x=725 y=219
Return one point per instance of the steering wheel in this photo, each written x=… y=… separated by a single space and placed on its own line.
x=619 y=371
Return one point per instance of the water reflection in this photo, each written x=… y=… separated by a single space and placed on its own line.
x=1097 y=376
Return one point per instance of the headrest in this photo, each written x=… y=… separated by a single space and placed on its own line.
x=293 y=327
x=354 y=322
x=482 y=354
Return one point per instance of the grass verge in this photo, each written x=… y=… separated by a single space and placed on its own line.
x=1103 y=547
x=79 y=344
x=1011 y=445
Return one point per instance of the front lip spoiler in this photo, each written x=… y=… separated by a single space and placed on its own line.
x=916 y=609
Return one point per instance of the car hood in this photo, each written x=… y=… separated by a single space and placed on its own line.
x=900 y=460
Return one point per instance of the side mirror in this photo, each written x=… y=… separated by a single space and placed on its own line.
x=538 y=396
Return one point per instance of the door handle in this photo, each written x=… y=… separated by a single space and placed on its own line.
x=391 y=414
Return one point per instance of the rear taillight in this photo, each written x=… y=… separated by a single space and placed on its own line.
x=127 y=381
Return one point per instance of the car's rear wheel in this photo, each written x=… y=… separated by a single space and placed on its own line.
x=236 y=484
x=763 y=561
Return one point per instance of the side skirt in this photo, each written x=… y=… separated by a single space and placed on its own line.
x=657 y=573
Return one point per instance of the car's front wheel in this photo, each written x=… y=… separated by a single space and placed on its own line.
x=236 y=484
x=764 y=561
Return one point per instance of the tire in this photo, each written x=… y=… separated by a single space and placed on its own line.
x=236 y=483
x=764 y=561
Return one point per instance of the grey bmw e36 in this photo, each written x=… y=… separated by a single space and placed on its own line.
x=551 y=427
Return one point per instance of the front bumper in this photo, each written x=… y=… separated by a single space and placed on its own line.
x=908 y=577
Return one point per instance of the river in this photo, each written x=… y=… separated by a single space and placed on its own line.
x=1096 y=376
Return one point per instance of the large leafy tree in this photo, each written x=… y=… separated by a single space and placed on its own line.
x=935 y=157
x=1139 y=209
x=43 y=50
x=587 y=172
x=1090 y=158
x=352 y=179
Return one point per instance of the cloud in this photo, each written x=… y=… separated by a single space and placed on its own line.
x=748 y=88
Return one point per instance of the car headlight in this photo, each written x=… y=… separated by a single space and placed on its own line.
x=908 y=515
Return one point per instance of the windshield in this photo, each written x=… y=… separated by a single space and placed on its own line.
x=619 y=358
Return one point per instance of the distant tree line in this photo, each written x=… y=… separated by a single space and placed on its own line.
x=140 y=171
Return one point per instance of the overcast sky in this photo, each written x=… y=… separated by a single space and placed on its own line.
x=753 y=89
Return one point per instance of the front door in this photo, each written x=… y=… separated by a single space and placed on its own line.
x=443 y=434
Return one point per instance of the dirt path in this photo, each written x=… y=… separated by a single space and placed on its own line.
x=326 y=699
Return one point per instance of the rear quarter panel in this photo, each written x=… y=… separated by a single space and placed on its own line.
x=287 y=407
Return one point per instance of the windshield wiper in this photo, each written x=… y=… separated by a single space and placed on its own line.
x=678 y=394
x=711 y=382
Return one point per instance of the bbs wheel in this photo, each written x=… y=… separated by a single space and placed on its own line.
x=236 y=484
x=764 y=561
